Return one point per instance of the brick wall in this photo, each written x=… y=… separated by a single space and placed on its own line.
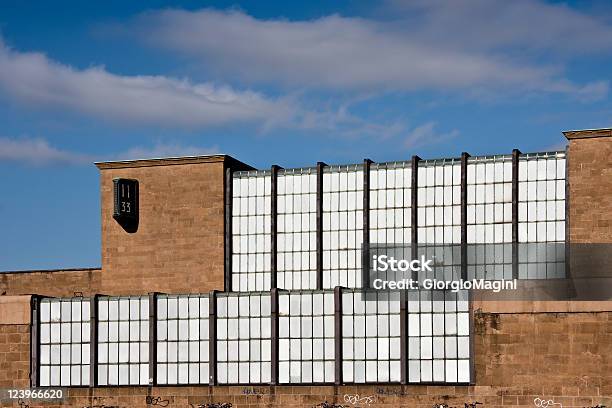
x=590 y=185
x=55 y=283
x=564 y=357
x=179 y=245
x=14 y=341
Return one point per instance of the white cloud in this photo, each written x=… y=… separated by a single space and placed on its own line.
x=426 y=134
x=498 y=24
x=164 y=150
x=336 y=52
x=34 y=79
x=38 y=152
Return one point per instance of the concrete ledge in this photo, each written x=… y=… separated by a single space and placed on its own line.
x=522 y=306
x=587 y=133
x=15 y=309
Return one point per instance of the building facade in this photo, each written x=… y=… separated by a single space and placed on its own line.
x=221 y=283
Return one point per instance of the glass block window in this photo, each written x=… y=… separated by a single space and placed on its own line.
x=243 y=338
x=342 y=225
x=251 y=209
x=438 y=337
x=371 y=337
x=439 y=216
x=489 y=217
x=123 y=335
x=390 y=203
x=306 y=337
x=542 y=215
x=182 y=339
x=296 y=228
x=64 y=342
x=439 y=201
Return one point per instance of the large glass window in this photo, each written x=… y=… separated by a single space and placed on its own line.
x=182 y=339
x=489 y=217
x=390 y=203
x=243 y=338
x=297 y=226
x=438 y=337
x=306 y=337
x=342 y=225
x=439 y=216
x=542 y=215
x=251 y=245
x=370 y=337
x=64 y=342
x=123 y=340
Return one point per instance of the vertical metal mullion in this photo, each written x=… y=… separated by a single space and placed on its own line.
x=93 y=338
x=319 y=234
x=273 y=225
x=34 y=340
x=515 y=200
x=414 y=202
x=338 y=335
x=464 y=164
x=212 y=338
x=227 y=281
x=567 y=214
x=403 y=339
x=365 y=251
x=152 y=338
x=274 y=380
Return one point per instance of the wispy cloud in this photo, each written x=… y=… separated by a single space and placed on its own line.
x=426 y=134
x=34 y=79
x=340 y=53
x=164 y=150
x=39 y=152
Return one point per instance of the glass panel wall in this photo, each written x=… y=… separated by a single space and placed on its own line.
x=64 y=342
x=123 y=340
x=438 y=337
x=182 y=339
x=370 y=337
x=342 y=225
x=489 y=217
x=542 y=215
x=251 y=209
x=297 y=226
x=306 y=337
x=243 y=338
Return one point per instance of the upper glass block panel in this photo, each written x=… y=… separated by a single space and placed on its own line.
x=183 y=339
x=489 y=217
x=297 y=228
x=342 y=225
x=243 y=338
x=64 y=335
x=439 y=201
x=390 y=202
x=251 y=244
x=541 y=218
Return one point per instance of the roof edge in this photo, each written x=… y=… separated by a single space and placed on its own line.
x=89 y=269
x=587 y=133
x=167 y=161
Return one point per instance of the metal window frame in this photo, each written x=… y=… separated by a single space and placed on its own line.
x=34 y=340
x=313 y=292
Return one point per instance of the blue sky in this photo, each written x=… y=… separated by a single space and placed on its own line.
x=274 y=83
